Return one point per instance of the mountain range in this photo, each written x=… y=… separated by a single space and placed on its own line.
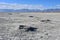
x=29 y=10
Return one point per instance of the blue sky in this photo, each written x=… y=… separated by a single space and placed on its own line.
x=45 y=3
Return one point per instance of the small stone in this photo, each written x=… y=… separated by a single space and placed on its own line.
x=41 y=37
x=46 y=34
x=21 y=26
x=10 y=13
x=42 y=20
x=45 y=20
x=48 y=20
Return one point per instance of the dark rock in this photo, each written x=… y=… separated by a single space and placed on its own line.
x=10 y=13
x=46 y=34
x=31 y=16
x=21 y=26
x=45 y=20
x=42 y=20
x=31 y=29
x=48 y=20
x=41 y=37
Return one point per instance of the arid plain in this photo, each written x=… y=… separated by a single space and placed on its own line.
x=47 y=24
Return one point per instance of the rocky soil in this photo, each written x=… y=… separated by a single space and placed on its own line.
x=36 y=26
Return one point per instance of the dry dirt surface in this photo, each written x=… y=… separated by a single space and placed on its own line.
x=34 y=26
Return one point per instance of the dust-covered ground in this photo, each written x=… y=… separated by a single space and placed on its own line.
x=47 y=24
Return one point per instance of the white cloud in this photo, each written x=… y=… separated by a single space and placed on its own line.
x=19 y=6
x=57 y=6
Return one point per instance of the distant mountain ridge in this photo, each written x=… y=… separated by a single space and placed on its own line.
x=29 y=10
x=51 y=10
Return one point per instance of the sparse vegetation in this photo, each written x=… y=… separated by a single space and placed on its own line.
x=32 y=29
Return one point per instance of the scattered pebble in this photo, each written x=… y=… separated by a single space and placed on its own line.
x=46 y=34
x=41 y=37
x=45 y=20
x=21 y=26
x=10 y=13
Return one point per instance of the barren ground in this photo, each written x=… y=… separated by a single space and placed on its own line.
x=47 y=30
